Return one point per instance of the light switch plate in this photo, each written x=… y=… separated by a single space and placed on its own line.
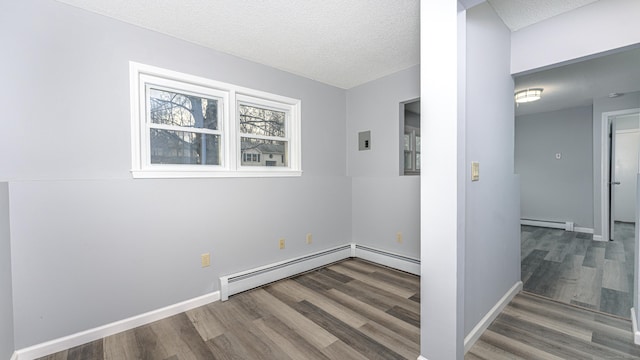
x=475 y=171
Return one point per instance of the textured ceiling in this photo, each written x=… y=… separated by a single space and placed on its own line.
x=578 y=84
x=517 y=14
x=338 y=42
x=342 y=43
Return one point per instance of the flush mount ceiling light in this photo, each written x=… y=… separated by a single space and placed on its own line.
x=528 y=95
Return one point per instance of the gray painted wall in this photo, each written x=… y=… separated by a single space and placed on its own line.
x=552 y=189
x=602 y=25
x=383 y=202
x=90 y=244
x=6 y=293
x=602 y=105
x=492 y=240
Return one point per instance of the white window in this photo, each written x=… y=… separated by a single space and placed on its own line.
x=411 y=151
x=410 y=137
x=188 y=126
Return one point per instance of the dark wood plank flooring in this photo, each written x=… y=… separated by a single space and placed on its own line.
x=572 y=268
x=349 y=310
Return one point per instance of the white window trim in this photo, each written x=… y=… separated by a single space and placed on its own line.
x=290 y=128
x=229 y=95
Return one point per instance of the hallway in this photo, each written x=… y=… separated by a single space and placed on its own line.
x=572 y=268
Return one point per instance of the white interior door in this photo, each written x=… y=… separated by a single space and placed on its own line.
x=627 y=146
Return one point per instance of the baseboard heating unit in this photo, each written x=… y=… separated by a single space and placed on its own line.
x=566 y=226
x=246 y=280
x=382 y=257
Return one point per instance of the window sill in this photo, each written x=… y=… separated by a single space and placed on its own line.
x=163 y=174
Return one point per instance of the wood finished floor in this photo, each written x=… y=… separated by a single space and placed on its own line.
x=348 y=310
x=356 y=310
x=532 y=327
x=572 y=268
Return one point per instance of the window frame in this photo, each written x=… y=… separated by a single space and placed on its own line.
x=229 y=96
x=288 y=109
x=413 y=151
x=411 y=129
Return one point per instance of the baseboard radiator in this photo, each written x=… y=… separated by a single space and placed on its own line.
x=245 y=280
x=249 y=279
x=382 y=257
x=566 y=226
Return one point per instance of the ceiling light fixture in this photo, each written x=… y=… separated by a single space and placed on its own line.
x=528 y=95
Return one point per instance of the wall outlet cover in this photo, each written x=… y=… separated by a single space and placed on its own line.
x=205 y=260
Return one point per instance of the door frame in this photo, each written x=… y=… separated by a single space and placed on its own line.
x=604 y=167
x=617 y=157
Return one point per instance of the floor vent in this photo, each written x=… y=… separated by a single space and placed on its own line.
x=245 y=280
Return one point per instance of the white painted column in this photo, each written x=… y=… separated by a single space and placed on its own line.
x=442 y=188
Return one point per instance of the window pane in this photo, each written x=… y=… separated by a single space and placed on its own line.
x=417 y=142
x=258 y=121
x=407 y=160
x=417 y=161
x=407 y=142
x=170 y=108
x=182 y=147
x=266 y=152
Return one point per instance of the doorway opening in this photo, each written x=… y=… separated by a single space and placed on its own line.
x=578 y=264
x=615 y=124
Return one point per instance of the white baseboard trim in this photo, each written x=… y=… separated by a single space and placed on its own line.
x=67 y=342
x=597 y=237
x=484 y=323
x=422 y=358
x=634 y=322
